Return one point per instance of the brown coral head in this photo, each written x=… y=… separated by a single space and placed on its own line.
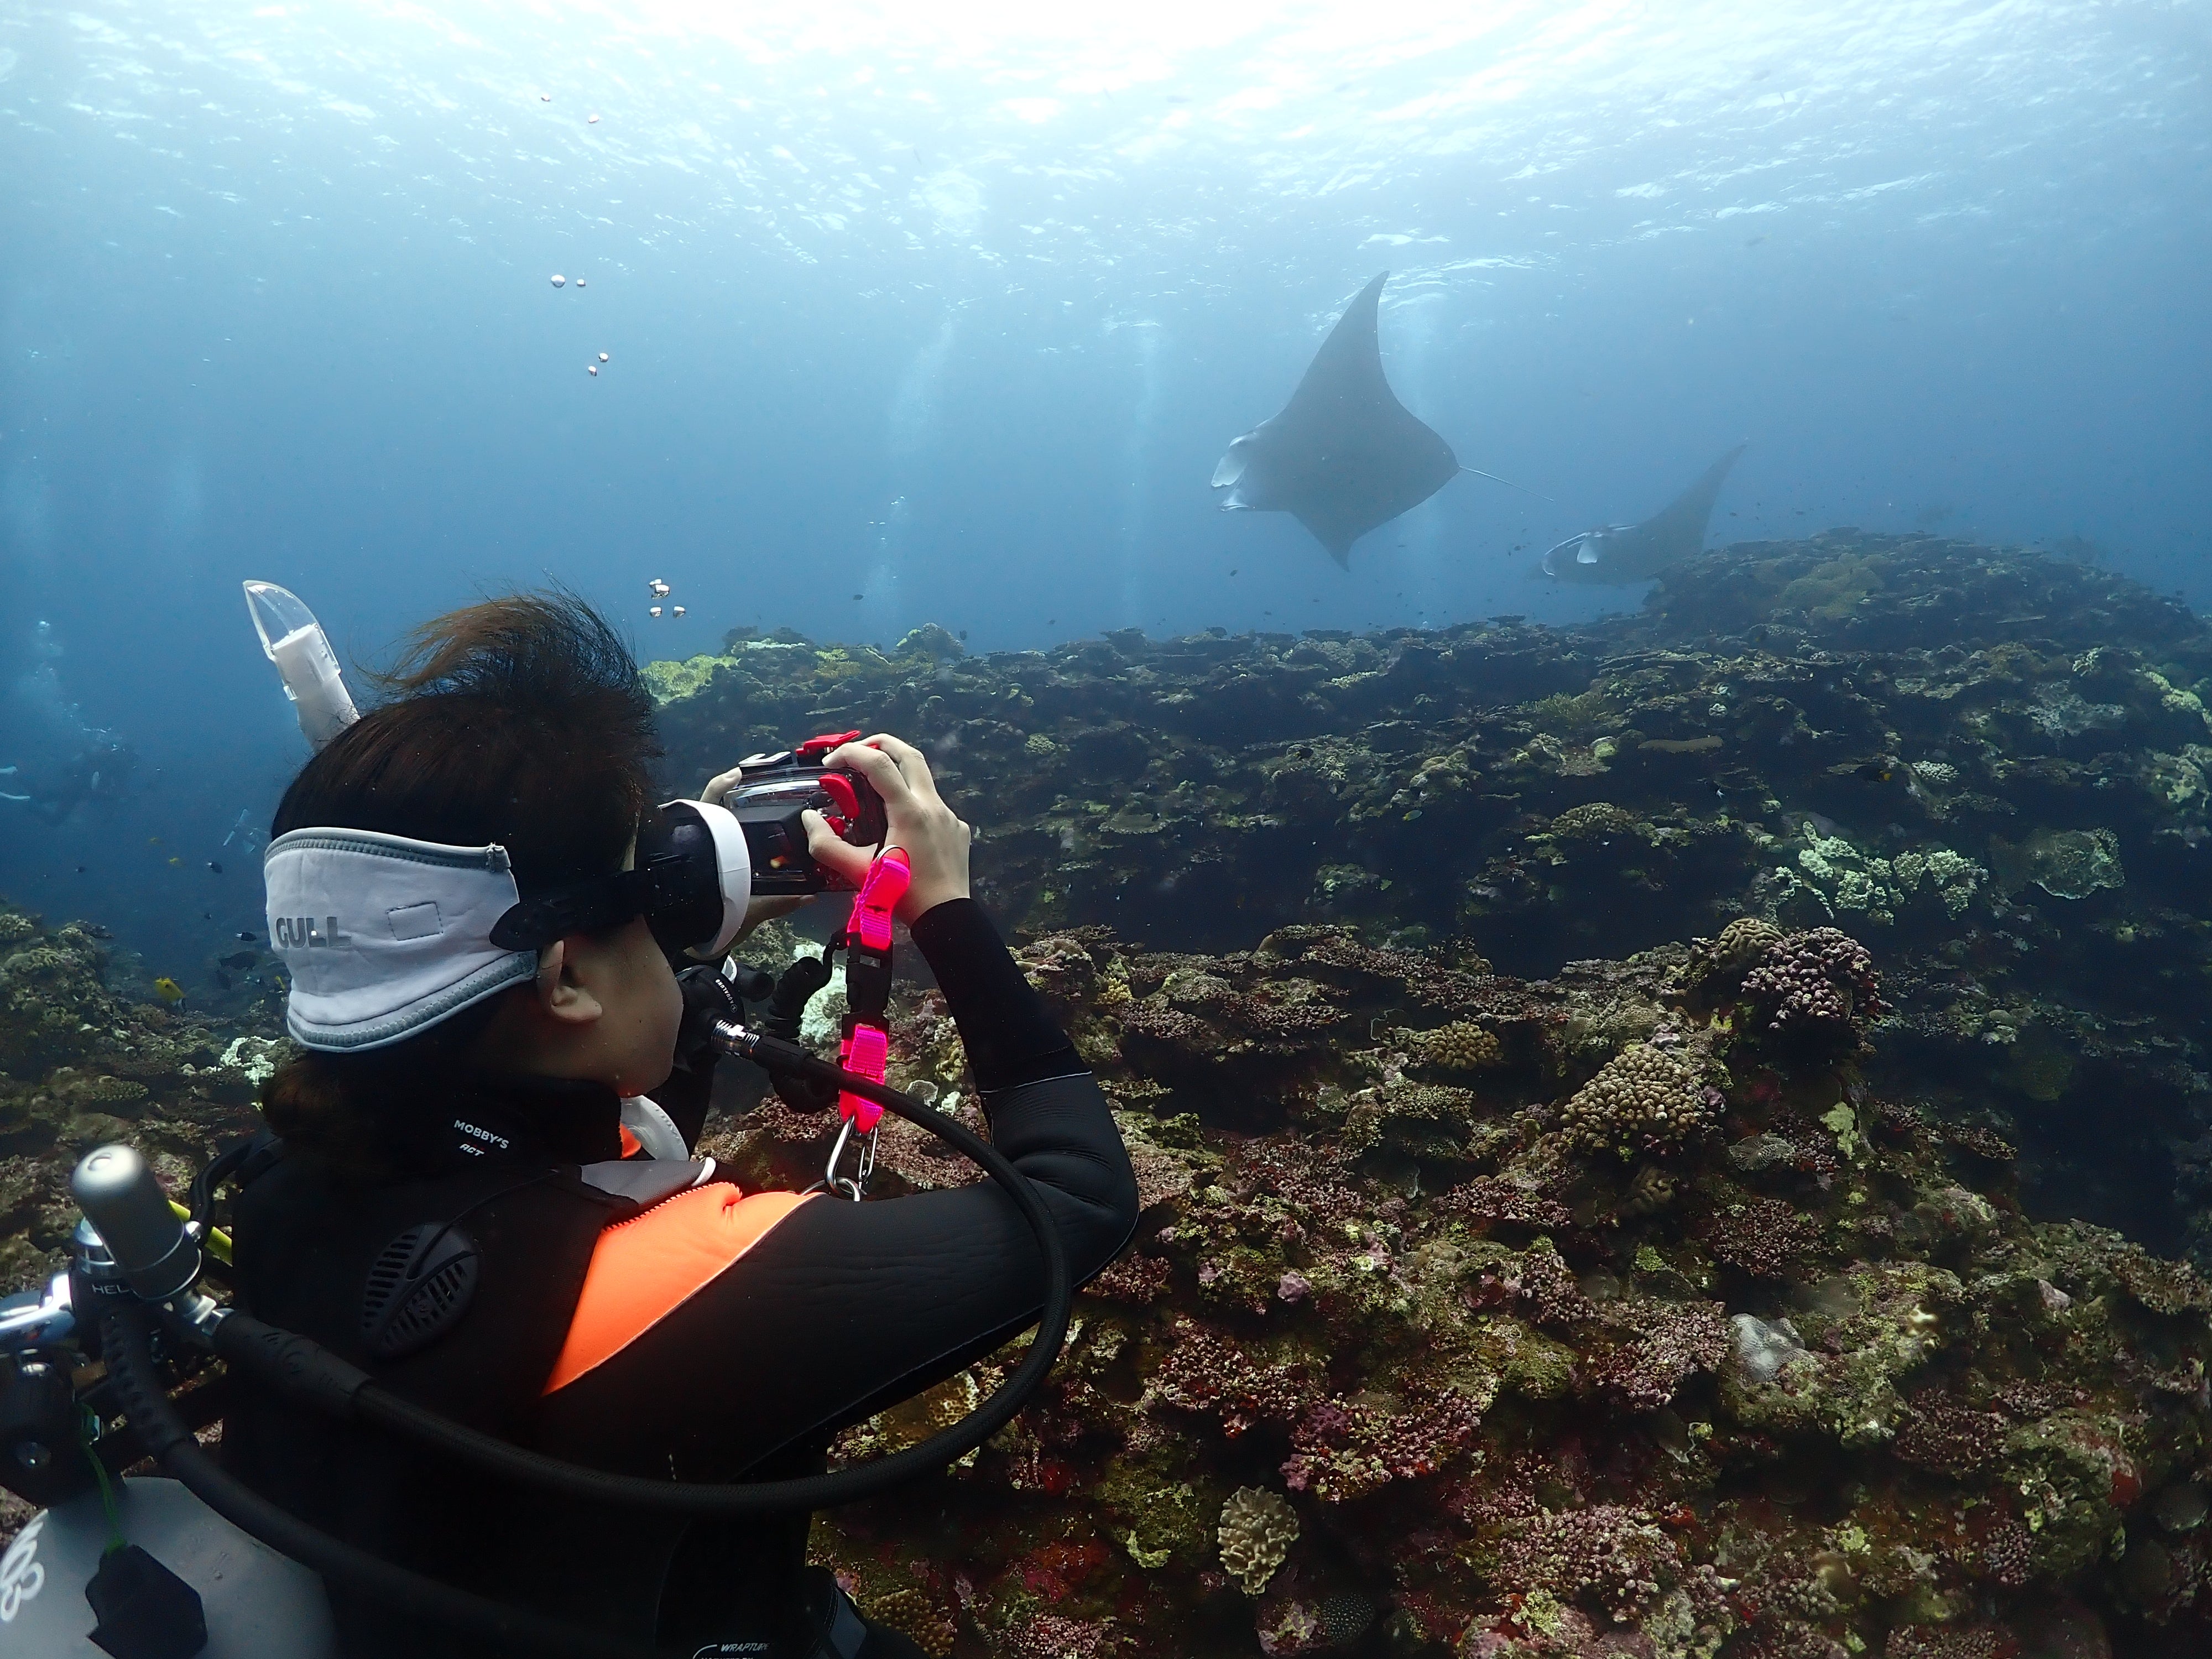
x=1818 y=986
x=1645 y=1099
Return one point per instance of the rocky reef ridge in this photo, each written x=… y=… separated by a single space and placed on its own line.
x=1989 y=765
x=1668 y=1138
x=1612 y=1314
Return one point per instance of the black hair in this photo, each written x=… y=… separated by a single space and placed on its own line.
x=521 y=722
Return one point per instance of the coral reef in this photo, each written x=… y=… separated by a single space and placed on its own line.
x=1439 y=1367
x=1667 y=1138
x=80 y=1064
x=1989 y=765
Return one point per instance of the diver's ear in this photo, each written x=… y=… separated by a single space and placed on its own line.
x=559 y=991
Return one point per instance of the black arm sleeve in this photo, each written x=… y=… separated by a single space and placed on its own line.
x=1010 y=1035
x=845 y=1308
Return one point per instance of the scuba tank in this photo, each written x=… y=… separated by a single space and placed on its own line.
x=200 y=1564
x=253 y=1603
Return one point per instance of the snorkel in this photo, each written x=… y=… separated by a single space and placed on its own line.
x=295 y=642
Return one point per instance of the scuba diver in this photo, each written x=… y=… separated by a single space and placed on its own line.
x=526 y=1081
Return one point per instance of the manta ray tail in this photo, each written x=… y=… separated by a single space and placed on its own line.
x=1509 y=484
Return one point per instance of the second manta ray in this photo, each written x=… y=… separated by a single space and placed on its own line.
x=1345 y=455
x=1622 y=553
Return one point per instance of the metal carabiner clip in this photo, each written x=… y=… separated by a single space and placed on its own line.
x=855 y=1186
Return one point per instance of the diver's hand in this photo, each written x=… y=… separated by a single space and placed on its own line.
x=758 y=910
x=935 y=840
x=717 y=792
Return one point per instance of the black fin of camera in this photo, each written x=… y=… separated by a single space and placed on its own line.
x=1621 y=553
x=1343 y=456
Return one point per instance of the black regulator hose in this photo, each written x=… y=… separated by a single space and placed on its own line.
x=123 y=1341
x=302 y=1369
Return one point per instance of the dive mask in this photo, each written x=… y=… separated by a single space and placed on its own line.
x=691 y=880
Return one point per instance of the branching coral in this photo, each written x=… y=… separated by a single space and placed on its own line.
x=1616 y=1559
x=1659 y=1346
x=1764 y=1236
x=1206 y=1373
x=1348 y=1448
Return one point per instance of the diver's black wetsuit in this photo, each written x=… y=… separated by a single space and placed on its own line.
x=711 y=1337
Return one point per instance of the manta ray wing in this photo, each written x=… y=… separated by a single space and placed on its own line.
x=1636 y=552
x=1344 y=455
x=1678 y=530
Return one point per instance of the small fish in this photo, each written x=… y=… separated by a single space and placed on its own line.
x=244 y=934
x=176 y=864
x=240 y=959
x=153 y=841
x=1875 y=771
x=82 y=868
x=213 y=866
x=168 y=990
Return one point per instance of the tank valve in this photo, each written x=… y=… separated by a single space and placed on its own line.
x=117 y=1190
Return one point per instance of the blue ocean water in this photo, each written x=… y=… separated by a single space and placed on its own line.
x=944 y=315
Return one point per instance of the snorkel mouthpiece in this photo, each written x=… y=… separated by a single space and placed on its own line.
x=295 y=642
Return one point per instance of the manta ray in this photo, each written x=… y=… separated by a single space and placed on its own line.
x=1636 y=552
x=1345 y=455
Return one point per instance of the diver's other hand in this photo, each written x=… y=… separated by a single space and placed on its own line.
x=717 y=792
x=758 y=910
x=935 y=838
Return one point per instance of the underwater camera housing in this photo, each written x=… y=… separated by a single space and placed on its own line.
x=777 y=788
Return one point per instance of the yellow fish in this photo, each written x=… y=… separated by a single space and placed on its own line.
x=168 y=990
x=178 y=861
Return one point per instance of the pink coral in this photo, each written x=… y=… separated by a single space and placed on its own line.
x=1949 y=1437
x=1049 y=1636
x=1765 y=1237
x=1486 y=1199
x=1951 y=1642
x=1346 y=1449
x=1205 y=1373
x=1614 y=1558
x=1821 y=981
x=1663 y=1345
